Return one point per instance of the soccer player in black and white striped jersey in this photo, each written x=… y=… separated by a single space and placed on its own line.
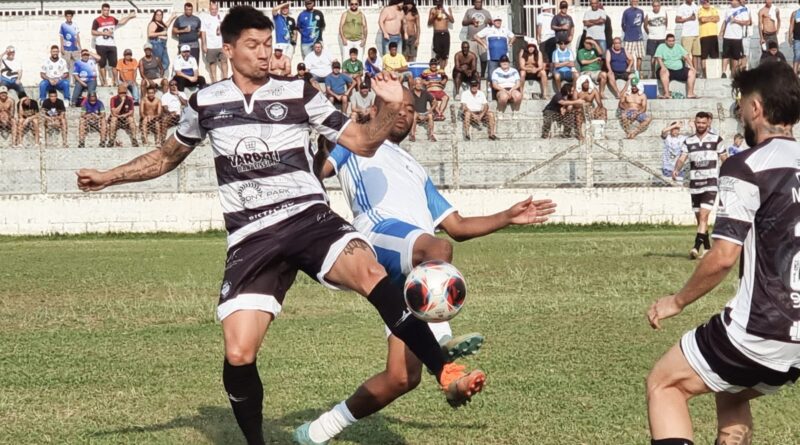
x=752 y=347
x=275 y=209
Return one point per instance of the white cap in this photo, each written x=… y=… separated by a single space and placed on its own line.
x=185 y=48
x=546 y=5
x=497 y=17
x=3 y=89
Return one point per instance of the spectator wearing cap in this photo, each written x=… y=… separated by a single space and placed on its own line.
x=172 y=102
x=633 y=115
x=285 y=29
x=496 y=40
x=185 y=71
x=532 y=67
x=594 y=22
x=475 y=109
x=544 y=31
x=27 y=118
x=54 y=74
x=70 y=38
x=435 y=81
x=772 y=54
x=354 y=67
x=563 y=64
x=55 y=115
x=352 y=29
x=633 y=36
x=7 y=108
x=84 y=72
x=562 y=24
x=152 y=70
x=311 y=25
x=338 y=86
x=423 y=110
x=396 y=63
x=11 y=71
x=93 y=116
x=476 y=19
x=590 y=59
x=318 y=62
x=157 y=36
x=127 y=69
x=103 y=28
x=362 y=104
x=508 y=86
x=122 y=108
x=211 y=39
x=302 y=72
x=465 y=68
x=279 y=64
x=187 y=30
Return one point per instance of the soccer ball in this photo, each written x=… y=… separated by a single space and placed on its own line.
x=435 y=291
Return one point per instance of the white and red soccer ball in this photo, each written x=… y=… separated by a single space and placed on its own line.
x=435 y=291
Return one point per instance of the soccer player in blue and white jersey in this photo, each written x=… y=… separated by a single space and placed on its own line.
x=752 y=347
x=275 y=209
x=397 y=207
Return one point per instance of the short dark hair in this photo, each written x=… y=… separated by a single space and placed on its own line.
x=738 y=136
x=240 y=18
x=188 y=5
x=151 y=88
x=105 y=5
x=772 y=44
x=566 y=88
x=392 y=45
x=353 y=50
x=778 y=87
x=52 y=47
x=69 y=12
x=703 y=115
x=669 y=36
x=52 y=91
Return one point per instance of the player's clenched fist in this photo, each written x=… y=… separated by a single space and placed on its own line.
x=90 y=180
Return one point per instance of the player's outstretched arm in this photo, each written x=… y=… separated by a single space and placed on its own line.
x=709 y=273
x=522 y=213
x=147 y=166
x=364 y=139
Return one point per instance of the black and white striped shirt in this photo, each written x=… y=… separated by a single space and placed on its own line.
x=759 y=208
x=703 y=156
x=262 y=151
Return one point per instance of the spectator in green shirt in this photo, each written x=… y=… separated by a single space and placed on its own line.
x=675 y=64
x=590 y=61
x=353 y=67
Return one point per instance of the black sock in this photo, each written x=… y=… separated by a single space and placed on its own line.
x=698 y=240
x=388 y=300
x=706 y=241
x=671 y=441
x=246 y=395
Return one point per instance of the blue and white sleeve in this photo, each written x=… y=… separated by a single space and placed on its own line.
x=438 y=206
x=338 y=157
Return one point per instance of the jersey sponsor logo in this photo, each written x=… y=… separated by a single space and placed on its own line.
x=222 y=114
x=252 y=153
x=277 y=111
x=251 y=195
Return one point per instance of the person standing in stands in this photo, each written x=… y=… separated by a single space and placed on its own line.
x=633 y=37
x=476 y=19
x=157 y=37
x=311 y=24
x=103 y=28
x=352 y=29
x=285 y=30
x=411 y=30
x=187 y=30
x=212 y=43
x=70 y=38
x=440 y=19
x=495 y=40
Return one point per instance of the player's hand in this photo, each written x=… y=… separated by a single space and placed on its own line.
x=530 y=211
x=387 y=86
x=662 y=309
x=90 y=180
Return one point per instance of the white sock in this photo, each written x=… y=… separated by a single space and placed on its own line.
x=441 y=330
x=331 y=423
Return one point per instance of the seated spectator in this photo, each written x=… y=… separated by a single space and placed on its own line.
x=84 y=71
x=618 y=66
x=319 y=63
x=122 y=109
x=362 y=104
x=338 y=86
x=172 y=102
x=423 y=110
x=372 y=65
x=354 y=68
x=11 y=71
x=93 y=117
x=465 y=69
x=150 y=112
x=738 y=145
x=151 y=70
x=55 y=115
x=633 y=115
x=593 y=102
x=562 y=108
x=532 y=67
x=395 y=62
x=127 y=68
x=279 y=64
x=772 y=54
x=508 y=86
x=563 y=62
x=185 y=72
x=675 y=64
x=28 y=112
x=435 y=81
x=303 y=73
x=475 y=108
x=673 y=147
x=591 y=62
x=54 y=74
x=7 y=109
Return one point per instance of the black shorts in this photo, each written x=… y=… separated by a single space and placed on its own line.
x=709 y=47
x=732 y=49
x=458 y=74
x=652 y=46
x=549 y=46
x=703 y=200
x=441 y=44
x=624 y=75
x=532 y=76
x=261 y=268
x=681 y=75
x=108 y=56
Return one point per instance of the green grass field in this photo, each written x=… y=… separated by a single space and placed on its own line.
x=112 y=340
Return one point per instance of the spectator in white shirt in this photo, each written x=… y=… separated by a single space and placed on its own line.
x=10 y=71
x=319 y=62
x=544 y=32
x=476 y=110
x=506 y=81
x=737 y=19
x=655 y=25
x=172 y=103
x=185 y=72
x=55 y=75
x=594 y=20
x=211 y=45
x=690 y=31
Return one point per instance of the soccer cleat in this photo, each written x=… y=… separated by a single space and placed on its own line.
x=458 y=386
x=461 y=346
x=302 y=437
x=693 y=254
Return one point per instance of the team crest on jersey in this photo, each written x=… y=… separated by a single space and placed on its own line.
x=252 y=153
x=277 y=111
x=226 y=288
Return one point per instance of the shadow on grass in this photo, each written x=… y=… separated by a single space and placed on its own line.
x=219 y=427
x=667 y=255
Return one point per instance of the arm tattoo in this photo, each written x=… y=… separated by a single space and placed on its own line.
x=151 y=164
x=356 y=244
x=378 y=129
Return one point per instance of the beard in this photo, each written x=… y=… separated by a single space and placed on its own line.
x=749 y=135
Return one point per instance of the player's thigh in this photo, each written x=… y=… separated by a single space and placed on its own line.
x=673 y=371
x=401 y=364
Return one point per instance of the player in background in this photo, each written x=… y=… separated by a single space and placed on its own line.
x=400 y=223
x=702 y=149
x=275 y=208
x=752 y=347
